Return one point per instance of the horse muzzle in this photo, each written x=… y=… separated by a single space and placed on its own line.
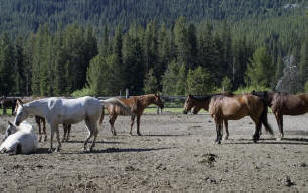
x=184 y=112
x=17 y=123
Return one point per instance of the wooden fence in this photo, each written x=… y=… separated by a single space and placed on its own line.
x=170 y=101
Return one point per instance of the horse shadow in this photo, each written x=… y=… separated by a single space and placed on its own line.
x=118 y=150
x=102 y=142
x=167 y=135
x=272 y=141
x=108 y=150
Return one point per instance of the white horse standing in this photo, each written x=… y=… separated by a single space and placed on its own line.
x=68 y=111
x=20 y=139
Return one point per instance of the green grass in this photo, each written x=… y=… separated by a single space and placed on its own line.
x=8 y=111
x=173 y=110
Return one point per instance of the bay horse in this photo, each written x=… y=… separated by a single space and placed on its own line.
x=41 y=123
x=6 y=102
x=69 y=111
x=236 y=107
x=196 y=103
x=284 y=104
x=136 y=106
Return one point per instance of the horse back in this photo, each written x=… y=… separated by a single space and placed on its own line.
x=237 y=106
x=294 y=104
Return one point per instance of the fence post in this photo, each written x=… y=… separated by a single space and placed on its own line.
x=127 y=93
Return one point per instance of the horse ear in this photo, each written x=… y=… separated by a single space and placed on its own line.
x=10 y=123
x=19 y=102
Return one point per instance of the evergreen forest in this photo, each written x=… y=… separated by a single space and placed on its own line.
x=175 y=47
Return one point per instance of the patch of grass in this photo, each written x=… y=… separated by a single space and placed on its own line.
x=8 y=112
x=173 y=110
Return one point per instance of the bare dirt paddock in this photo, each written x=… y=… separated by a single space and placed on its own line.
x=176 y=153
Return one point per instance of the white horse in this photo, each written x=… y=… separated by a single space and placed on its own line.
x=68 y=111
x=20 y=139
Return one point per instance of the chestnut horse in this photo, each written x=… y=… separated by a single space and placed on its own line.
x=196 y=103
x=136 y=106
x=284 y=104
x=236 y=107
x=41 y=123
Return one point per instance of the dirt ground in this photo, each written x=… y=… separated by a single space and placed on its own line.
x=175 y=153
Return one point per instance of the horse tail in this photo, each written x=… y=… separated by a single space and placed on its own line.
x=264 y=119
x=214 y=106
x=102 y=115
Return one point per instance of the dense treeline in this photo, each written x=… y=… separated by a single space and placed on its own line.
x=23 y=16
x=175 y=61
x=147 y=46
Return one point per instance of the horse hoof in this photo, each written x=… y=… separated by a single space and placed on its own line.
x=226 y=138
x=139 y=134
x=217 y=142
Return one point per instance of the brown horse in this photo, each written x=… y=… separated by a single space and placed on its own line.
x=6 y=102
x=284 y=104
x=236 y=107
x=136 y=106
x=41 y=123
x=195 y=104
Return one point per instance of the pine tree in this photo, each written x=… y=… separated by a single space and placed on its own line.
x=6 y=65
x=199 y=82
x=20 y=80
x=260 y=71
x=303 y=65
x=150 y=83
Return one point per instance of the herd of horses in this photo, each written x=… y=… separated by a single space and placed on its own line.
x=222 y=107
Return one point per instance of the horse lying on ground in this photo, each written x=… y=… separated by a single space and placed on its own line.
x=236 y=107
x=19 y=139
x=284 y=104
x=67 y=111
x=195 y=104
x=41 y=123
x=136 y=106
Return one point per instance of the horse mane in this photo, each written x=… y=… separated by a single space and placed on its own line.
x=209 y=96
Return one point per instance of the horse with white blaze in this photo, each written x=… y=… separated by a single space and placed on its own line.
x=19 y=139
x=67 y=111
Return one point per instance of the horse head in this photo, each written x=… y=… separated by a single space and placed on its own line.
x=21 y=112
x=11 y=129
x=158 y=101
x=189 y=104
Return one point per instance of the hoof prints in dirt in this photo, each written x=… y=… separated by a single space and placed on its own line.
x=209 y=159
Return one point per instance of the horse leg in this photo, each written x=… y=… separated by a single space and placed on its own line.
x=64 y=132
x=38 y=122
x=58 y=139
x=95 y=132
x=218 y=132
x=90 y=131
x=69 y=126
x=279 y=119
x=44 y=128
x=226 y=129
x=112 y=120
x=138 y=125
x=132 y=124
x=52 y=130
x=258 y=124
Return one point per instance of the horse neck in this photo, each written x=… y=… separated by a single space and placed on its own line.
x=204 y=103
x=146 y=100
x=37 y=108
